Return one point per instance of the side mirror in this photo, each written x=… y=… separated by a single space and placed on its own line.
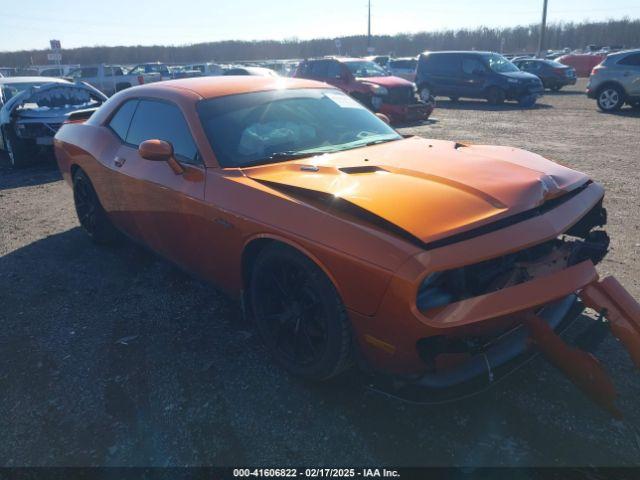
x=160 y=151
x=384 y=118
x=156 y=150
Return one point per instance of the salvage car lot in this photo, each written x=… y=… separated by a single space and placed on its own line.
x=112 y=356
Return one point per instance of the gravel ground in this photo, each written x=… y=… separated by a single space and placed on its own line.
x=111 y=356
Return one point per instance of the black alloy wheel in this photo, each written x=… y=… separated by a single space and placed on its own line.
x=299 y=314
x=92 y=217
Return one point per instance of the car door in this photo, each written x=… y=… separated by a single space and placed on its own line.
x=533 y=67
x=165 y=209
x=629 y=73
x=443 y=74
x=473 y=77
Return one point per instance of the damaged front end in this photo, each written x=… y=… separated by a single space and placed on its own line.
x=31 y=118
x=464 y=361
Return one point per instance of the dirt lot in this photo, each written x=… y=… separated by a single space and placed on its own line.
x=110 y=356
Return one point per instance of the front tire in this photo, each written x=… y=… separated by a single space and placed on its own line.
x=425 y=93
x=610 y=98
x=92 y=217
x=299 y=314
x=527 y=101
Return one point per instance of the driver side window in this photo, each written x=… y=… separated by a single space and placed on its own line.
x=164 y=121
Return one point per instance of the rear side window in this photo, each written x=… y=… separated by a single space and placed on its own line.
x=122 y=119
x=632 y=60
x=443 y=64
x=163 y=121
x=471 y=66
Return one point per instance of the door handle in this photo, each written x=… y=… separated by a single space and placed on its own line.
x=119 y=161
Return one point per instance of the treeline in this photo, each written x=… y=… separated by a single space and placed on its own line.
x=624 y=32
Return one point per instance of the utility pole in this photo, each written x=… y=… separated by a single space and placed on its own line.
x=543 y=28
x=369 y=26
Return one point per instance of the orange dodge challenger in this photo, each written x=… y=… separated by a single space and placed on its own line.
x=439 y=263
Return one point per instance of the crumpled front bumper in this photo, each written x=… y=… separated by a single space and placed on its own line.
x=407 y=113
x=541 y=331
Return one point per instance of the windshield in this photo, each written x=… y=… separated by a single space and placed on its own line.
x=12 y=89
x=365 y=69
x=266 y=127
x=499 y=64
x=555 y=64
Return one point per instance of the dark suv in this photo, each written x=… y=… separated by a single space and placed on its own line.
x=371 y=85
x=475 y=75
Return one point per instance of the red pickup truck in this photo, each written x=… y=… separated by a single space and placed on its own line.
x=370 y=84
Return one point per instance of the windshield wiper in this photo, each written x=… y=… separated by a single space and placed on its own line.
x=380 y=140
x=280 y=157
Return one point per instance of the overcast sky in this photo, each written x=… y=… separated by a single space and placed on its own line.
x=29 y=24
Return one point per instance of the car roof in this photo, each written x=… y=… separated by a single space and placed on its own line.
x=212 y=87
x=457 y=52
x=624 y=53
x=9 y=80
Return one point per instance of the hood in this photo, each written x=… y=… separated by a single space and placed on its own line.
x=520 y=75
x=429 y=189
x=52 y=100
x=389 y=82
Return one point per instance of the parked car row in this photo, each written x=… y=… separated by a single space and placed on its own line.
x=403 y=89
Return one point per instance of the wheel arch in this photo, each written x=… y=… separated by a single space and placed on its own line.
x=256 y=244
x=611 y=83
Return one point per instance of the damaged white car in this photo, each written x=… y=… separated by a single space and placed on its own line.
x=32 y=109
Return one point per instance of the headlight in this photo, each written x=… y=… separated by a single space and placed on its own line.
x=377 y=89
x=432 y=292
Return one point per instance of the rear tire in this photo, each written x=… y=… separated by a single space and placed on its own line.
x=496 y=96
x=19 y=151
x=299 y=314
x=92 y=217
x=610 y=98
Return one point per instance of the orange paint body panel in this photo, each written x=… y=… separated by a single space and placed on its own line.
x=414 y=191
